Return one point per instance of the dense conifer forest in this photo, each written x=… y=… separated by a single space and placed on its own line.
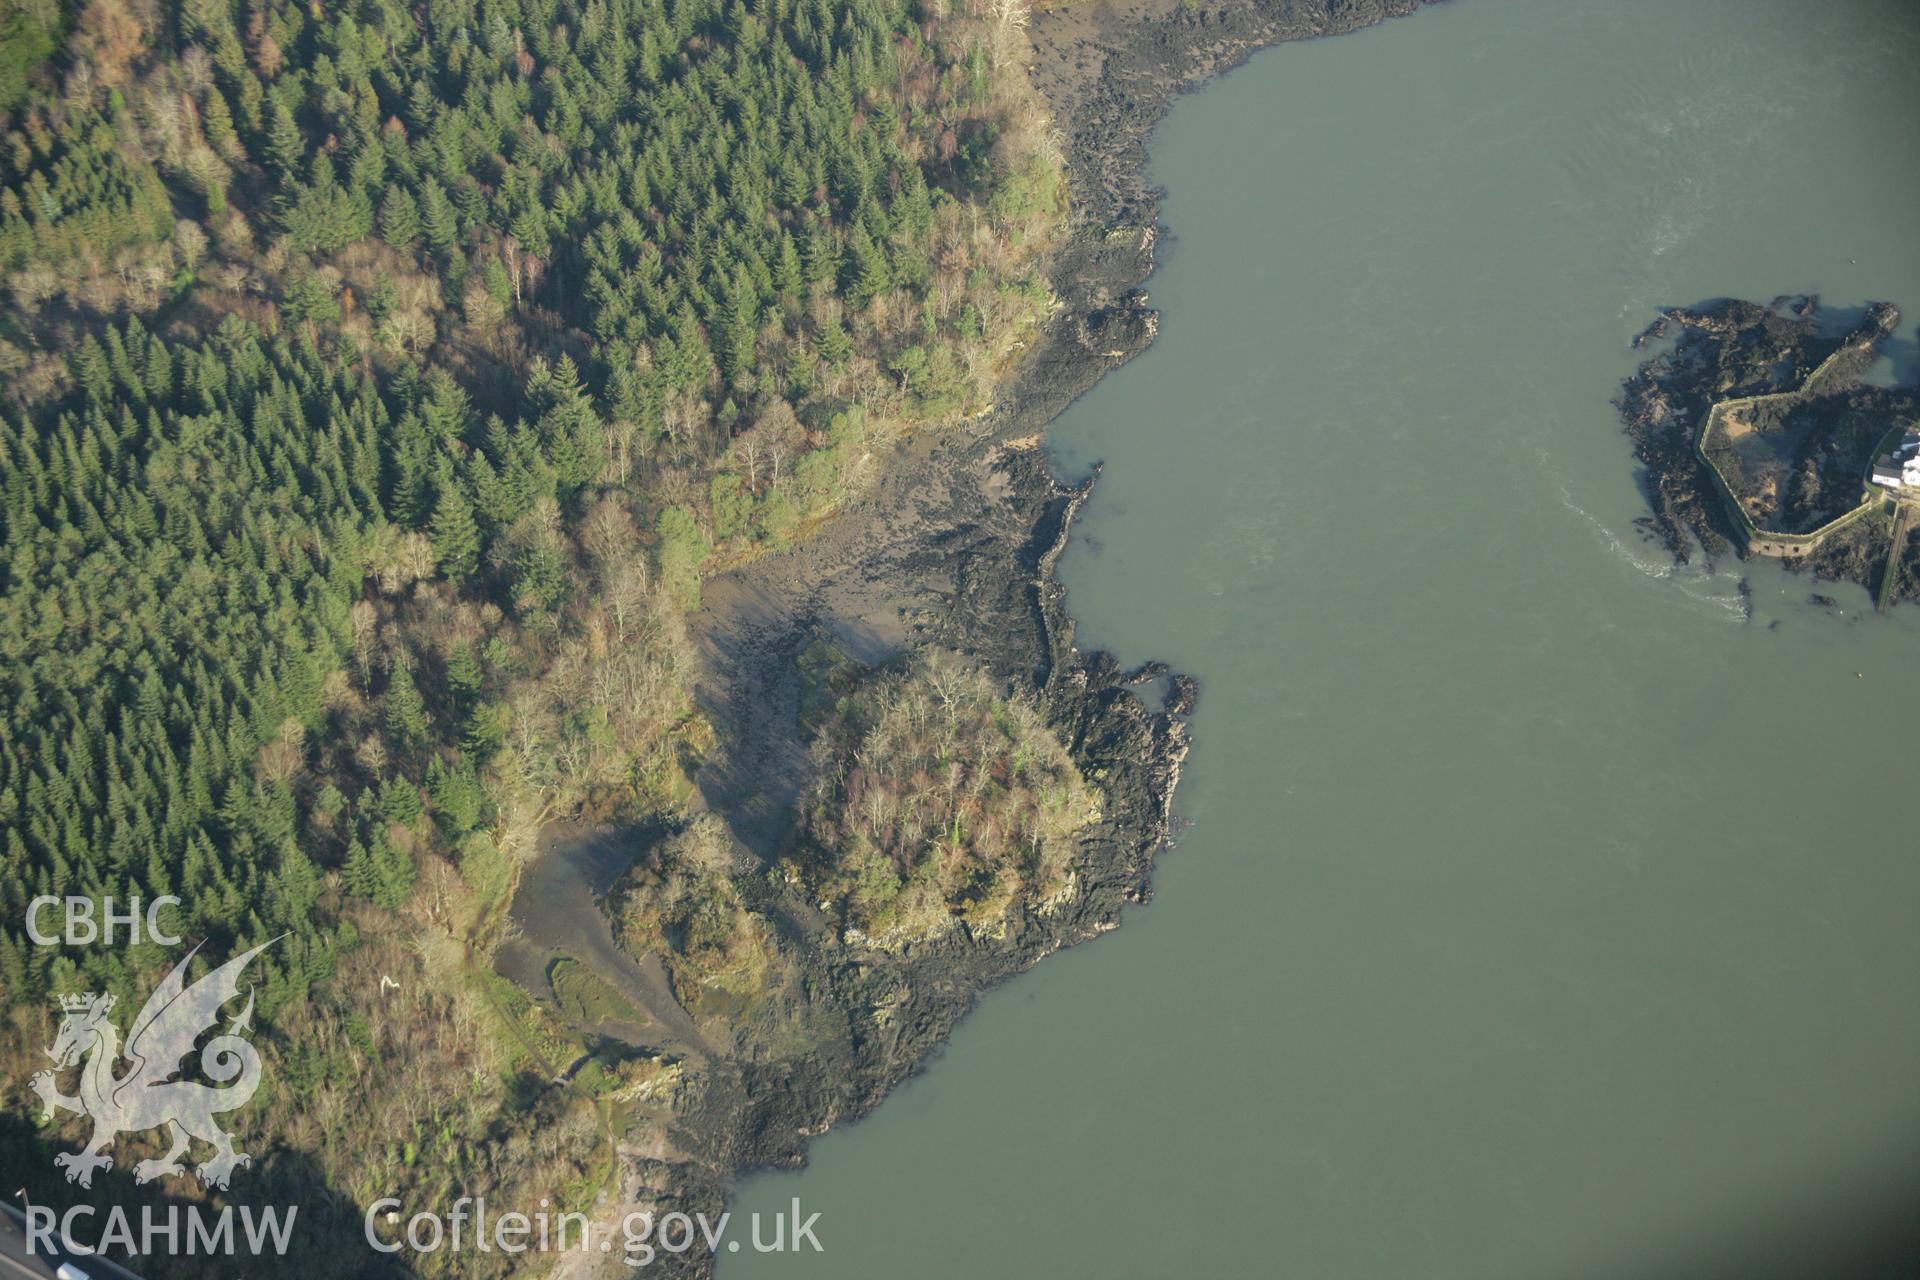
x=379 y=382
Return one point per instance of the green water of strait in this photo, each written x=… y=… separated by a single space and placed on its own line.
x=1540 y=914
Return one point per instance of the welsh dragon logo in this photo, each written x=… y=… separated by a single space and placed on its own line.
x=147 y=1096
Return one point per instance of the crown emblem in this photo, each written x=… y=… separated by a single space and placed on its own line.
x=88 y=1003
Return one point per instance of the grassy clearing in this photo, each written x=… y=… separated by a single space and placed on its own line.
x=526 y=1028
x=587 y=998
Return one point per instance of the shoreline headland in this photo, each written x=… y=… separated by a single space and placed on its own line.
x=953 y=547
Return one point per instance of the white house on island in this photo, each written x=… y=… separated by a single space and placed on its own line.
x=1901 y=468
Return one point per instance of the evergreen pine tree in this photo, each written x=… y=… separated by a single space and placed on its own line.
x=394 y=874
x=464 y=676
x=219 y=127
x=438 y=222
x=361 y=876
x=456 y=538
x=406 y=711
x=286 y=149
x=868 y=267
x=399 y=219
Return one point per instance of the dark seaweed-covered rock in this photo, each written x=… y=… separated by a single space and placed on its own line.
x=1182 y=692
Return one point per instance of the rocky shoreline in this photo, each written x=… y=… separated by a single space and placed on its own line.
x=954 y=546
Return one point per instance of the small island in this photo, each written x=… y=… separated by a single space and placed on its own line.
x=1770 y=430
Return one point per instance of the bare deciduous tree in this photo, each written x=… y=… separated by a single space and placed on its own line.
x=1008 y=19
x=189 y=243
